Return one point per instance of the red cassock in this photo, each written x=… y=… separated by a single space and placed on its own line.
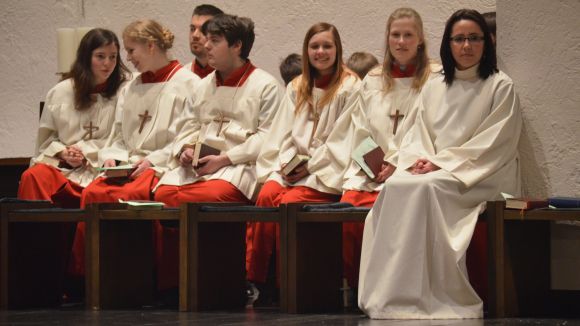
x=352 y=234
x=103 y=191
x=197 y=69
x=167 y=238
x=261 y=238
x=45 y=182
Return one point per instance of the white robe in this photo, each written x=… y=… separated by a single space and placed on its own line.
x=61 y=125
x=417 y=233
x=164 y=101
x=291 y=134
x=249 y=109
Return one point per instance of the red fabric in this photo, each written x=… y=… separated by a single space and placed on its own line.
x=262 y=237
x=99 y=191
x=162 y=75
x=352 y=234
x=167 y=238
x=238 y=77
x=323 y=81
x=396 y=71
x=477 y=260
x=197 y=69
x=45 y=182
x=99 y=88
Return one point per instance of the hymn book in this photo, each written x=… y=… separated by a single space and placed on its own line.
x=297 y=161
x=142 y=204
x=121 y=171
x=525 y=203
x=202 y=150
x=369 y=156
x=564 y=202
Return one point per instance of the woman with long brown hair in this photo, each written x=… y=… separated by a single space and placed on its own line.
x=313 y=103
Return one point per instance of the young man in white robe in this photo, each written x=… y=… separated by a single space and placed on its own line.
x=232 y=113
x=199 y=65
x=461 y=152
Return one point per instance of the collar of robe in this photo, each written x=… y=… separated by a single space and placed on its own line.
x=323 y=81
x=197 y=69
x=469 y=73
x=99 y=88
x=397 y=72
x=237 y=77
x=161 y=75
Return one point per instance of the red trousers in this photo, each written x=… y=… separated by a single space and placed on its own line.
x=477 y=260
x=167 y=238
x=45 y=182
x=262 y=237
x=352 y=234
x=99 y=191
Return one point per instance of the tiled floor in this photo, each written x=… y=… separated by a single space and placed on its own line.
x=248 y=317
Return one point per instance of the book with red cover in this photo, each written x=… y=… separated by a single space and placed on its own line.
x=375 y=159
x=525 y=203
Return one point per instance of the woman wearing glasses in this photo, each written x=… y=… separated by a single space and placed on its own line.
x=461 y=152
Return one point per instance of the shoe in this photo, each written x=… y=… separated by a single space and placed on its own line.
x=252 y=294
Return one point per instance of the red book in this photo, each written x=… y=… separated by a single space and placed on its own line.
x=525 y=203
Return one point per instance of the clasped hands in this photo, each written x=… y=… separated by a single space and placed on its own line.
x=423 y=166
x=72 y=155
x=205 y=165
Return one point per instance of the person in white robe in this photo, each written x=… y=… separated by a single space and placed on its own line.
x=461 y=152
x=313 y=104
x=77 y=118
x=199 y=65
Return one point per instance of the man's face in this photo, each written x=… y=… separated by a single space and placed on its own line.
x=220 y=55
x=196 y=38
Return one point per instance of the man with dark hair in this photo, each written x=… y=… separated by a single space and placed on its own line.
x=201 y=14
x=291 y=67
x=232 y=112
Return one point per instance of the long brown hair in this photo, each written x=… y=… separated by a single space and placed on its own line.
x=422 y=69
x=82 y=74
x=309 y=73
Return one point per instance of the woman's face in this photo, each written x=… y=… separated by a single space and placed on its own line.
x=403 y=40
x=466 y=43
x=138 y=54
x=103 y=62
x=322 y=52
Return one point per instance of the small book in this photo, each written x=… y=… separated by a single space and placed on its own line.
x=297 y=161
x=369 y=156
x=142 y=204
x=202 y=150
x=564 y=202
x=121 y=171
x=525 y=203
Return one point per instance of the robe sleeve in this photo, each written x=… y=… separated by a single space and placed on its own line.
x=48 y=144
x=248 y=151
x=115 y=148
x=277 y=148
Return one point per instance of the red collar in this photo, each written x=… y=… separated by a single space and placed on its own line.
x=99 y=88
x=396 y=71
x=162 y=75
x=323 y=81
x=197 y=69
x=237 y=77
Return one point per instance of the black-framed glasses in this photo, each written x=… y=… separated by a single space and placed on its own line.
x=460 y=39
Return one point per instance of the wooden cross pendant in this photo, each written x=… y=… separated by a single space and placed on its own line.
x=315 y=116
x=396 y=116
x=89 y=128
x=144 y=118
x=221 y=119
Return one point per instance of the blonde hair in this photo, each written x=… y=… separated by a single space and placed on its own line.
x=146 y=30
x=305 y=83
x=422 y=68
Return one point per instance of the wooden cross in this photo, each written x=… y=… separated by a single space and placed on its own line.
x=144 y=118
x=221 y=119
x=315 y=116
x=89 y=128
x=396 y=116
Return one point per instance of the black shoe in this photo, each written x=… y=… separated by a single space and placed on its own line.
x=252 y=294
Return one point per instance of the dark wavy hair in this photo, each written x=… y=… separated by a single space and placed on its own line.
x=488 y=63
x=81 y=72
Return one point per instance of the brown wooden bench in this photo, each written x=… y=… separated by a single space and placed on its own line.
x=212 y=252
x=35 y=242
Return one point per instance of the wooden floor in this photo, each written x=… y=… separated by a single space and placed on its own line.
x=261 y=316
